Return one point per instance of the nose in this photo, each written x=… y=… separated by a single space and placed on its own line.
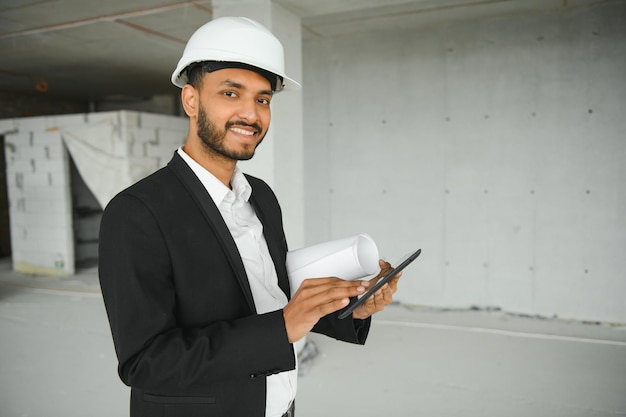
x=248 y=111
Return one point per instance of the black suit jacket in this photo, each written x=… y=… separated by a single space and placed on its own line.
x=186 y=332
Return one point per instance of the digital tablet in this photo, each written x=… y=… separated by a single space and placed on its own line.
x=407 y=260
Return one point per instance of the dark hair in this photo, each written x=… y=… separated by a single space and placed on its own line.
x=196 y=71
x=194 y=75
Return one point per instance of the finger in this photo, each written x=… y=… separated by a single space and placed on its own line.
x=383 y=264
x=370 y=304
x=375 y=303
x=313 y=287
x=379 y=298
x=387 y=295
x=393 y=282
x=319 y=298
x=324 y=309
x=385 y=267
x=332 y=282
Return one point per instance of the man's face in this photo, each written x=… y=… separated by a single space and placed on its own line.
x=234 y=112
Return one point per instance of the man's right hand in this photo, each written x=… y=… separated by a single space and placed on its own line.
x=315 y=299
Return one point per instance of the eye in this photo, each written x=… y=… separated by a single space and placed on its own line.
x=230 y=94
x=264 y=101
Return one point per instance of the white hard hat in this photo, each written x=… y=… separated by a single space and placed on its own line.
x=237 y=40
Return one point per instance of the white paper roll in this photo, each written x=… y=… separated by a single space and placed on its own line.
x=348 y=258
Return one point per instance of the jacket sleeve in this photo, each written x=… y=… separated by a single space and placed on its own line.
x=346 y=330
x=155 y=351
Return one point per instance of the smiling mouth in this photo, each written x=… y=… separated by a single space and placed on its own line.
x=243 y=131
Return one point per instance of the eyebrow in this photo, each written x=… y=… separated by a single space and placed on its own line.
x=235 y=84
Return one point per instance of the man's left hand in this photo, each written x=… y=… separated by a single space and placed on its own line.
x=381 y=298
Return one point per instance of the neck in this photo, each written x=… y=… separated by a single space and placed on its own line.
x=221 y=167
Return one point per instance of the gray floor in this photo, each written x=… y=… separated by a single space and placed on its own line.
x=58 y=360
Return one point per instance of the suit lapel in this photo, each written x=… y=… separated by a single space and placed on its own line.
x=273 y=236
x=215 y=220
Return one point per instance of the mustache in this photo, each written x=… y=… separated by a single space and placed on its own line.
x=255 y=126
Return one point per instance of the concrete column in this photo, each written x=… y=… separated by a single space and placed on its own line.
x=279 y=160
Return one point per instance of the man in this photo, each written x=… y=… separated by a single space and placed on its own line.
x=192 y=258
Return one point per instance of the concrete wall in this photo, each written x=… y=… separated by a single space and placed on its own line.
x=54 y=215
x=497 y=146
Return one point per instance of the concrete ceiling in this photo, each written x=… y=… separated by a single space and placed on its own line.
x=96 y=50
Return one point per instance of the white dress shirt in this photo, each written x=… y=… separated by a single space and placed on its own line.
x=247 y=231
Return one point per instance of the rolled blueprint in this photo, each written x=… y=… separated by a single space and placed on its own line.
x=348 y=258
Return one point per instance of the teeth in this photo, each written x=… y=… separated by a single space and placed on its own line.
x=242 y=131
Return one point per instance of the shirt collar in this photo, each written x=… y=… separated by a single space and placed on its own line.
x=240 y=185
x=216 y=189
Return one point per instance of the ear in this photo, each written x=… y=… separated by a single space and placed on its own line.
x=189 y=99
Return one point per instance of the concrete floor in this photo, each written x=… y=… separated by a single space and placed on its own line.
x=58 y=360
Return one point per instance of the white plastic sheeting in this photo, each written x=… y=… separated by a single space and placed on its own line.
x=113 y=150
x=99 y=153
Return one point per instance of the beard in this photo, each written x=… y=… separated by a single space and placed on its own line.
x=213 y=138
